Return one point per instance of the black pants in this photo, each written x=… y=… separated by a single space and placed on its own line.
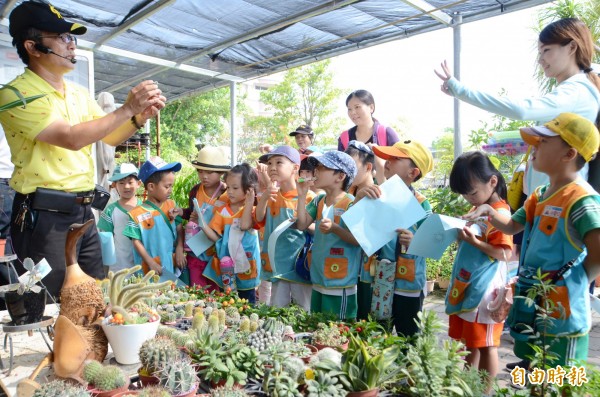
x=46 y=239
x=404 y=313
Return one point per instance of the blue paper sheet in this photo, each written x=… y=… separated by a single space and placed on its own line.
x=199 y=243
x=374 y=222
x=170 y=276
x=435 y=234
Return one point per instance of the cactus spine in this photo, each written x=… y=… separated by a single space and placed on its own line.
x=178 y=377
x=155 y=353
x=111 y=377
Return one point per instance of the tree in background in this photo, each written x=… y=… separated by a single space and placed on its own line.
x=305 y=96
x=587 y=11
x=201 y=118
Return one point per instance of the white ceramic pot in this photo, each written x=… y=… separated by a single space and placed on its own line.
x=126 y=340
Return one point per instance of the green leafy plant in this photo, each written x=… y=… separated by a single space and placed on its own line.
x=368 y=371
x=326 y=379
x=20 y=101
x=429 y=369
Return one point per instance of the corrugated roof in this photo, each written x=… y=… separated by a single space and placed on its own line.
x=192 y=46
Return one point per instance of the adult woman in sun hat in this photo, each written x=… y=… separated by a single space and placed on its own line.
x=565 y=52
x=211 y=163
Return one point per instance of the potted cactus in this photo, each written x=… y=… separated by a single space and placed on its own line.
x=329 y=335
x=59 y=388
x=104 y=381
x=127 y=327
x=154 y=355
x=179 y=378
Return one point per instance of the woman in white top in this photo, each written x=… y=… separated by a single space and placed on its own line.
x=565 y=49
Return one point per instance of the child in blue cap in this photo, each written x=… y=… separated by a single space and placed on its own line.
x=155 y=225
x=335 y=253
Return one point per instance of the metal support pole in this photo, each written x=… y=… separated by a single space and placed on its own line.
x=456 y=23
x=232 y=110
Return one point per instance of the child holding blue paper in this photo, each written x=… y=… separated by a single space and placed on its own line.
x=155 y=225
x=276 y=206
x=476 y=270
x=335 y=258
x=115 y=217
x=211 y=164
x=410 y=160
x=235 y=233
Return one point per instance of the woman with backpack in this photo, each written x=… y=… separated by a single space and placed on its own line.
x=367 y=129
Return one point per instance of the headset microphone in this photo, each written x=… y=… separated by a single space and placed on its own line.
x=46 y=50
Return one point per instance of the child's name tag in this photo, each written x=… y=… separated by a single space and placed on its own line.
x=144 y=216
x=552 y=211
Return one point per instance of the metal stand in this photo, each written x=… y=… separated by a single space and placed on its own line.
x=9 y=328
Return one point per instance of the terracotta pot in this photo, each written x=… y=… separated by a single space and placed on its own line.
x=127 y=393
x=108 y=393
x=365 y=393
x=313 y=351
x=27 y=308
x=147 y=380
x=343 y=347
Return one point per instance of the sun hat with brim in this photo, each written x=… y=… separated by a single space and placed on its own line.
x=154 y=165
x=124 y=170
x=335 y=160
x=42 y=16
x=211 y=158
x=286 y=151
x=413 y=150
x=578 y=132
x=303 y=129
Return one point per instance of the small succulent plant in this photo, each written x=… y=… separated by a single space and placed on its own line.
x=178 y=376
x=155 y=353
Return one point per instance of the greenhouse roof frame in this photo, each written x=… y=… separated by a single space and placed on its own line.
x=240 y=40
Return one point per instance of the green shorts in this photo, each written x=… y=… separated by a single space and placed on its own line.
x=568 y=349
x=343 y=306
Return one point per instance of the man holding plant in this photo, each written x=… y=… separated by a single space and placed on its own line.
x=51 y=140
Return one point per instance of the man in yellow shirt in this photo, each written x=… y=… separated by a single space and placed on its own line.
x=50 y=140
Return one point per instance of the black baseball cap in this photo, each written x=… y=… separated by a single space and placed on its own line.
x=42 y=16
x=303 y=129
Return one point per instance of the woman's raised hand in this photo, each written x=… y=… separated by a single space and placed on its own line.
x=445 y=75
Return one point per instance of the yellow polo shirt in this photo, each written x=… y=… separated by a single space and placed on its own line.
x=39 y=164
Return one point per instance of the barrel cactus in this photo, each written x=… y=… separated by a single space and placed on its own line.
x=58 y=388
x=178 y=376
x=91 y=370
x=111 y=378
x=225 y=391
x=155 y=353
